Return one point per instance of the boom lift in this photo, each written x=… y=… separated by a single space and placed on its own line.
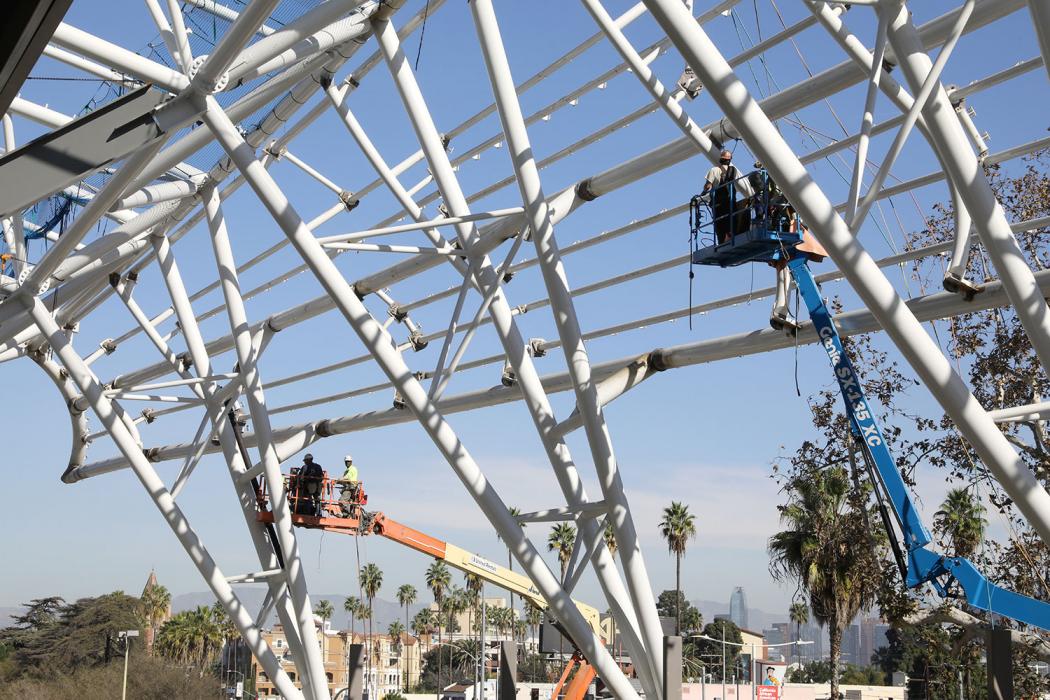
x=317 y=506
x=771 y=240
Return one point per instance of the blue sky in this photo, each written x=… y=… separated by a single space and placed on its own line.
x=704 y=435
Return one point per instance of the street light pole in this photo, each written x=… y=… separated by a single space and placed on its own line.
x=126 y=635
x=723 y=662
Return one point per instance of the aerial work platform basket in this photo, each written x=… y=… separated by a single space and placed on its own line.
x=760 y=228
x=321 y=503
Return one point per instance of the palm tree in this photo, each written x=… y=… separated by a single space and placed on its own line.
x=515 y=511
x=423 y=624
x=534 y=616
x=472 y=589
x=352 y=607
x=191 y=637
x=438 y=579
x=827 y=546
x=678 y=527
x=395 y=629
x=799 y=614
x=156 y=605
x=324 y=610
x=226 y=628
x=561 y=539
x=406 y=595
x=371 y=578
x=961 y=520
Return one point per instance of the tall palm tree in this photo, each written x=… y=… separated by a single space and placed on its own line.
x=352 y=607
x=423 y=624
x=560 y=540
x=472 y=589
x=406 y=595
x=827 y=546
x=324 y=610
x=438 y=579
x=961 y=520
x=534 y=616
x=156 y=605
x=515 y=511
x=799 y=614
x=395 y=629
x=227 y=629
x=678 y=527
x=371 y=578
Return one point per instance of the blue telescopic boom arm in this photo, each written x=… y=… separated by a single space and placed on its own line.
x=923 y=565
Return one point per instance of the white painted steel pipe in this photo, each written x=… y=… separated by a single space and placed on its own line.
x=539 y=219
x=925 y=357
x=966 y=173
x=155 y=194
x=119 y=58
x=374 y=338
x=247 y=361
x=1040 y=11
x=209 y=570
x=931 y=307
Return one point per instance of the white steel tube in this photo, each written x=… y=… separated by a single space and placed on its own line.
x=155 y=194
x=208 y=568
x=207 y=77
x=420 y=225
x=247 y=359
x=926 y=89
x=868 y=119
x=119 y=58
x=965 y=172
x=556 y=282
x=503 y=322
x=1040 y=11
x=645 y=75
x=392 y=364
x=223 y=12
x=925 y=308
x=860 y=270
x=71 y=59
x=182 y=54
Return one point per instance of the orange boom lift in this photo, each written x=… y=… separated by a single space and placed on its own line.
x=338 y=506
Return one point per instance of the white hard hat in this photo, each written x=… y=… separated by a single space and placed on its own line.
x=348 y=458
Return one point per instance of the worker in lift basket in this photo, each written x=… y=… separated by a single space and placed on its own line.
x=350 y=487
x=721 y=186
x=311 y=481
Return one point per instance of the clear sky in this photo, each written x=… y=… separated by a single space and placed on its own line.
x=705 y=435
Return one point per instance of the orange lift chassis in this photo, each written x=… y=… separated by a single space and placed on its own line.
x=337 y=506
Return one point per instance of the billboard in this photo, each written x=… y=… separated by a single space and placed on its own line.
x=770 y=679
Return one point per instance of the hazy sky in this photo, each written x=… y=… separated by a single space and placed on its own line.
x=705 y=436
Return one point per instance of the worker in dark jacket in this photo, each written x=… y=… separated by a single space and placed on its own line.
x=722 y=184
x=311 y=482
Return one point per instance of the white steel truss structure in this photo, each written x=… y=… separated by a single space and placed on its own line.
x=247 y=96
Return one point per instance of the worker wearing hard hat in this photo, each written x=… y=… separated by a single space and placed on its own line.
x=350 y=486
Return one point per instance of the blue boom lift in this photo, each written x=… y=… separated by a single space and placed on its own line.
x=773 y=237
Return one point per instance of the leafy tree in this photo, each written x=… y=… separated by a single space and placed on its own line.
x=709 y=651
x=609 y=535
x=678 y=526
x=961 y=521
x=56 y=638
